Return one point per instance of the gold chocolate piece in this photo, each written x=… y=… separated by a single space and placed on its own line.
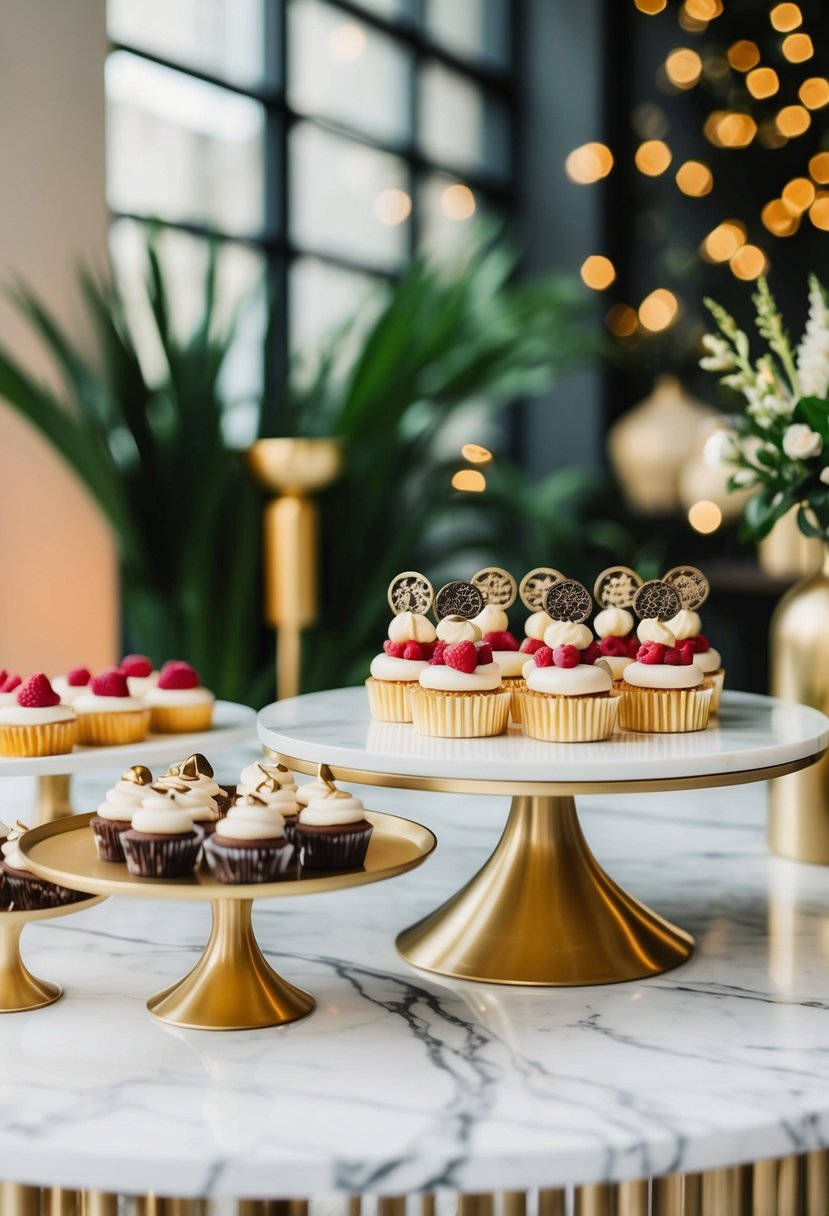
x=139 y=774
x=458 y=599
x=568 y=600
x=169 y=791
x=656 y=601
x=691 y=583
x=535 y=585
x=410 y=592
x=249 y=800
x=196 y=766
x=497 y=586
x=616 y=587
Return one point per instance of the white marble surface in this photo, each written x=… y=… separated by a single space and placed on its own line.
x=401 y=1080
x=750 y=732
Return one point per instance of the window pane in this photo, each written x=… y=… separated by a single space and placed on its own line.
x=229 y=38
x=448 y=208
x=460 y=125
x=344 y=70
x=475 y=29
x=322 y=299
x=346 y=199
x=181 y=149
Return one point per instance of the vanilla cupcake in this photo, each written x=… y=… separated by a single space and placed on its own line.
x=195 y=774
x=500 y=590
x=312 y=789
x=406 y=651
x=107 y=714
x=251 y=845
x=686 y=626
x=268 y=785
x=36 y=723
x=178 y=703
x=115 y=813
x=614 y=625
x=533 y=591
x=163 y=841
x=332 y=832
x=9 y=685
x=140 y=674
x=72 y=685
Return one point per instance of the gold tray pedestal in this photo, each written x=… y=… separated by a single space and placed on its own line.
x=19 y=989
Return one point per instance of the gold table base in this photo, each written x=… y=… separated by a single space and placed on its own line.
x=19 y=989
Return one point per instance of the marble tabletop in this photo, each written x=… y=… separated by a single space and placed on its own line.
x=402 y=1081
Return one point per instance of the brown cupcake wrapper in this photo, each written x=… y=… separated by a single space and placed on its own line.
x=325 y=851
x=666 y=711
x=45 y=739
x=107 y=835
x=569 y=719
x=390 y=700
x=460 y=715
x=31 y=894
x=113 y=729
x=172 y=857
x=181 y=719
x=230 y=864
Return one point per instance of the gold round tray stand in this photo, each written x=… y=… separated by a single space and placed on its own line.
x=542 y=910
x=232 y=986
x=19 y=989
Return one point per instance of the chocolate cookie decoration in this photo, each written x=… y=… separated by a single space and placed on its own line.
x=568 y=600
x=458 y=599
x=410 y=592
x=656 y=601
x=691 y=584
x=497 y=586
x=616 y=587
x=535 y=585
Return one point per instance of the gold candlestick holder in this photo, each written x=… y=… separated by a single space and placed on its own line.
x=19 y=989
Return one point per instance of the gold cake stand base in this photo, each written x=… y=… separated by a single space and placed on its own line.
x=19 y=989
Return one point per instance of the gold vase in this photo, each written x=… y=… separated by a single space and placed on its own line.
x=799 y=804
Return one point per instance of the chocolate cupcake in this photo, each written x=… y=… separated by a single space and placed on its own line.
x=193 y=779
x=275 y=786
x=5 y=898
x=163 y=841
x=332 y=832
x=250 y=844
x=116 y=811
x=24 y=890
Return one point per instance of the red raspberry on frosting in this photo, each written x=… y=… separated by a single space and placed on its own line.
x=530 y=645
x=501 y=639
x=591 y=653
x=170 y=663
x=180 y=676
x=700 y=643
x=136 y=665
x=463 y=656
x=413 y=651
x=394 y=649
x=78 y=677
x=615 y=648
x=543 y=656
x=37 y=693
x=566 y=656
x=437 y=659
x=673 y=657
x=10 y=683
x=110 y=683
x=652 y=653
x=686 y=650
x=633 y=645
x=428 y=649
x=484 y=654
x=4 y=675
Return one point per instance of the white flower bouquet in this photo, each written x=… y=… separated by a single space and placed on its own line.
x=780 y=444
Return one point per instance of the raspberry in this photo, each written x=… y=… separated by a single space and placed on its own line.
x=174 y=663
x=701 y=643
x=135 y=665
x=633 y=644
x=462 y=656
x=78 y=677
x=10 y=683
x=437 y=659
x=673 y=657
x=591 y=653
x=37 y=693
x=4 y=675
x=615 y=648
x=484 y=653
x=530 y=645
x=686 y=650
x=500 y=639
x=110 y=683
x=180 y=676
x=428 y=649
x=543 y=657
x=566 y=656
x=412 y=650
x=393 y=649
x=651 y=653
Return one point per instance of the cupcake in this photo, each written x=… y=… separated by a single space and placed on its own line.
x=460 y=694
x=500 y=591
x=332 y=832
x=140 y=675
x=107 y=714
x=25 y=891
x=686 y=626
x=178 y=704
x=254 y=774
x=268 y=783
x=663 y=690
x=533 y=590
x=614 y=624
x=208 y=800
x=163 y=841
x=251 y=846
x=114 y=814
x=9 y=685
x=72 y=685
x=312 y=789
x=5 y=897
x=569 y=696
x=35 y=723
x=406 y=651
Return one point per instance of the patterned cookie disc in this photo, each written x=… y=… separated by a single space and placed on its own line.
x=497 y=586
x=656 y=601
x=568 y=600
x=535 y=585
x=458 y=599
x=410 y=592
x=691 y=584
x=616 y=587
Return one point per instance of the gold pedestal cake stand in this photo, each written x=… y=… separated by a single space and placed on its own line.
x=232 y=986
x=19 y=989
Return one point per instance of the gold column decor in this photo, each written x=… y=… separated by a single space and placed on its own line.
x=293 y=469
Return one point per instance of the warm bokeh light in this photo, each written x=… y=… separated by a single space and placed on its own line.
x=589 y=163
x=683 y=67
x=743 y=55
x=819 y=212
x=598 y=272
x=392 y=207
x=793 y=120
x=779 y=219
x=727 y=129
x=723 y=242
x=819 y=167
x=703 y=10
x=694 y=178
x=475 y=454
x=770 y=137
x=658 y=310
x=785 y=17
x=705 y=516
x=469 y=480
x=798 y=195
x=762 y=82
x=689 y=23
x=653 y=157
x=651 y=7
x=622 y=320
x=814 y=92
x=798 y=47
x=715 y=67
x=749 y=262
x=347 y=42
x=457 y=202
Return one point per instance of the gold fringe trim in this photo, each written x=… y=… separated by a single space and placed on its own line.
x=113 y=729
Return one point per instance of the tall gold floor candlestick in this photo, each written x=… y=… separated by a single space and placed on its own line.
x=53 y=801
x=99 y=1203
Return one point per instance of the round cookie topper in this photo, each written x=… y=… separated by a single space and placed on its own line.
x=410 y=592
x=535 y=585
x=616 y=587
x=497 y=586
x=691 y=584
x=458 y=599
x=568 y=600
x=656 y=601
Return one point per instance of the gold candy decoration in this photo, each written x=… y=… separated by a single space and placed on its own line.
x=249 y=800
x=497 y=586
x=691 y=584
x=535 y=585
x=139 y=774
x=193 y=767
x=616 y=587
x=169 y=791
x=458 y=599
x=656 y=600
x=410 y=592
x=568 y=600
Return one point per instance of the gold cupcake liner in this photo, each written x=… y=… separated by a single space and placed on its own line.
x=516 y=686
x=388 y=700
x=460 y=715
x=666 y=710
x=560 y=719
x=45 y=739
x=717 y=678
x=113 y=729
x=181 y=719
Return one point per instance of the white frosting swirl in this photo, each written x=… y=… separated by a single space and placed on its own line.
x=537 y=625
x=511 y=662
x=332 y=809
x=411 y=627
x=613 y=623
x=162 y=819
x=90 y=703
x=686 y=624
x=448 y=679
x=11 y=853
x=281 y=799
x=202 y=783
x=569 y=681
x=456 y=629
x=567 y=633
x=4 y=831
x=616 y=663
x=662 y=675
x=122 y=800
x=386 y=667
x=491 y=620
x=251 y=822
x=67 y=692
x=708 y=661
x=178 y=696
x=312 y=789
x=254 y=774
x=21 y=715
x=139 y=686
x=652 y=630
x=9 y=698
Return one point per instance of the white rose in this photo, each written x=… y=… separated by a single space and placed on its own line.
x=800 y=442
x=824 y=475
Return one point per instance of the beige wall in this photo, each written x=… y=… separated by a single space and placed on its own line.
x=59 y=601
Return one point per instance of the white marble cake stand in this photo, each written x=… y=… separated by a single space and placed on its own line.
x=542 y=910
x=232 y=724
